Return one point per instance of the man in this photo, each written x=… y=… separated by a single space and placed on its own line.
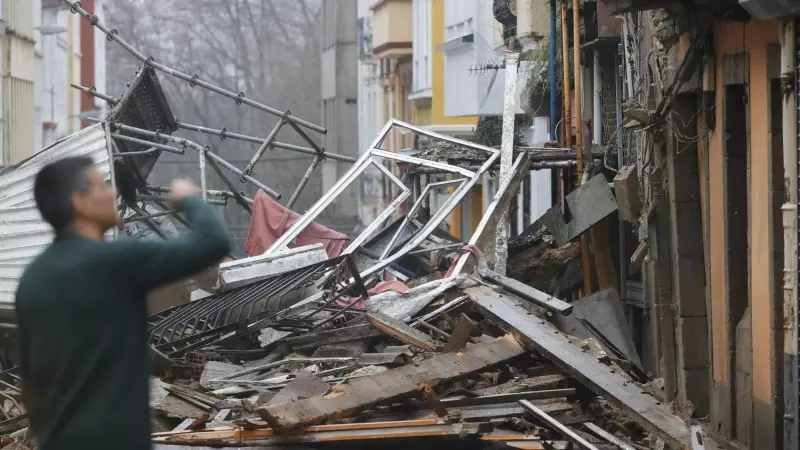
x=81 y=309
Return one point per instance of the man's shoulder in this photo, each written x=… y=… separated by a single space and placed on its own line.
x=57 y=258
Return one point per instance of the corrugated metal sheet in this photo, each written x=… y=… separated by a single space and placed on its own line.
x=23 y=233
x=18 y=119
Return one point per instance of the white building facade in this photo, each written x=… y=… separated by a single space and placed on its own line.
x=60 y=52
x=474 y=50
x=40 y=44
x=371 y=113
x=422 y=47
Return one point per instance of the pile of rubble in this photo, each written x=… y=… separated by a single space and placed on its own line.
x=295 y=348
x=465 y=357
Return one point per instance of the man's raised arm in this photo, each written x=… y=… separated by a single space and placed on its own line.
x=150 y=264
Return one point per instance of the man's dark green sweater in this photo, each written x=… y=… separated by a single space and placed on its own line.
x=83 y=339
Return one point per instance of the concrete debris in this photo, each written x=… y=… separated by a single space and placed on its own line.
x=245 y=271
x=305 y=385
x=600 y=316
x=216 y=369
x=270 y=335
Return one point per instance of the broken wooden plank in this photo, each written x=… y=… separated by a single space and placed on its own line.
x=14 y=423
x=528 y=293
x=433 y=400
x=348 y=399
x=233 y=378
x=335 y=336
x=434 y=330
x=506 y=411
x=389 y=355
x=540 y=382
x=328 y=433
x=461 y=333
x=612 y=386
x=440 y=310
x=402 y=332
x=556 y=425
x=508 y=398
x=209 y=400
x=607 y=436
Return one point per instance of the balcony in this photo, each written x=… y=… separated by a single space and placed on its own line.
x=391 y=29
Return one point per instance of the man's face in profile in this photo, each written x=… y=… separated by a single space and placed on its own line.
x=96 y=203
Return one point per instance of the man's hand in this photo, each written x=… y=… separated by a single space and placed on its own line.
x=181 y=189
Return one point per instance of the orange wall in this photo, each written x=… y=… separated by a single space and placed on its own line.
x=753 y=38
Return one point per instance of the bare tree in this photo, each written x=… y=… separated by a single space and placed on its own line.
x=269 y=49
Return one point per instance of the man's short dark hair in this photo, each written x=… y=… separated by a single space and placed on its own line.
x=55 y=185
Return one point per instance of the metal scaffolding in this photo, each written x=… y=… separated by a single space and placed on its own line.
x=142 y=111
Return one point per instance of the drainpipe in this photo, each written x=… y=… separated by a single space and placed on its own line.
x=567 y=126
x=552 y=66
x=789 y=209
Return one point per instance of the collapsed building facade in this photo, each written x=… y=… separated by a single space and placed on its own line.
x=681 y=336
x=707 y=122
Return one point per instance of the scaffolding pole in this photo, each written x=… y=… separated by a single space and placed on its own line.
x=211 y=155
x=194 y=80
x=223 y=133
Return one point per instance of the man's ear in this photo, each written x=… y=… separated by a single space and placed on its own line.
x=78 y=203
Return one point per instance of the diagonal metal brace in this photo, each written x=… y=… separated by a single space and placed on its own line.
x=266 y=144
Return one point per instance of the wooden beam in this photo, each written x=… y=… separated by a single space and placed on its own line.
x=402 y=332
x=433 y=400
x=508 y=398
x=460 y=336
x=346 y=400
x=527 y=292
x=256 y=434
x=335 y=336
